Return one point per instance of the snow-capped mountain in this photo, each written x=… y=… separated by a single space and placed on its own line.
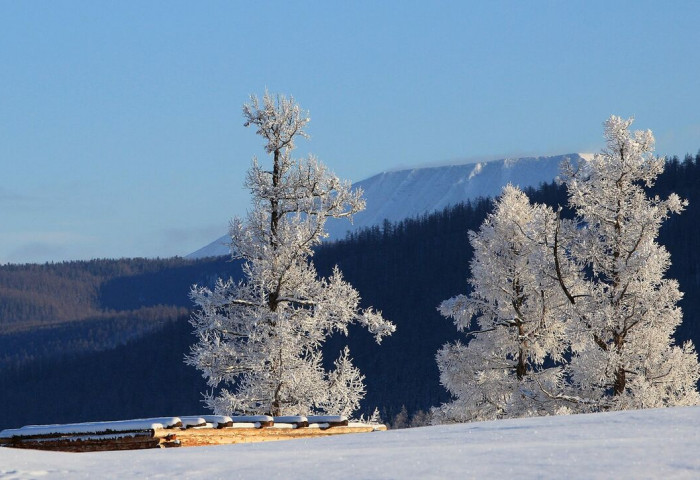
x=399 y=194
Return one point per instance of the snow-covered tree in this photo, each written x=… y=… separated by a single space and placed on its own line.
x=263 y=336
x=625 y=312
x=573 y=314
x=513 y=315
x=346 y=386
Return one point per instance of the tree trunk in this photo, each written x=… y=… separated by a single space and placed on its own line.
x=620 y=381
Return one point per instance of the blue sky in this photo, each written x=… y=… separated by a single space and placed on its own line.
x=120 y=122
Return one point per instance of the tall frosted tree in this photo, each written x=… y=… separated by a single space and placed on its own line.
x=512 y=316
x=262 y=337
x=625 y=312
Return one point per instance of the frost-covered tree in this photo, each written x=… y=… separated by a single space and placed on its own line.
x=513 y=315
x=573 y=313
x=262 y=336
x=625 y=312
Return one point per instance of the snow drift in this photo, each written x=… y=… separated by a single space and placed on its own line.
x=659 y=443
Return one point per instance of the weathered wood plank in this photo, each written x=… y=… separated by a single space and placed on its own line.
x=224 y=436
x=86 y=443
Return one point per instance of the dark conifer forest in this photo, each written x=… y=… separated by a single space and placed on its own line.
x=105 y=339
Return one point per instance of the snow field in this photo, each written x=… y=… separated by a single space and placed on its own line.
x=660 y=443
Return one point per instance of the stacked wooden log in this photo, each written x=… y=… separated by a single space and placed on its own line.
x=186 y=431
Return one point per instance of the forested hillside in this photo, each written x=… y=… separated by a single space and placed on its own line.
x=54 y=309
x=403 y=269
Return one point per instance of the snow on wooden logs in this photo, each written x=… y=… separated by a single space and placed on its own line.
x=141 y=424
x=330 y=420
x=297 y=420
x=90 y=436
x=177 y=431
x=192 y=422
x=263 y=420
x=86 y=443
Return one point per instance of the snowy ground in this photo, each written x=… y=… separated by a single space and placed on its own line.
x=637 y=444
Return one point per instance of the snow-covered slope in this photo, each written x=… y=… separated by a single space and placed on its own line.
x=395 y=195
x=624 y=445
x=217 y=248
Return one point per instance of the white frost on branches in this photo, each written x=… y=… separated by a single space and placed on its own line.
x=263 y=336
x=516 y=307
x=622 y=336
x=573 y=316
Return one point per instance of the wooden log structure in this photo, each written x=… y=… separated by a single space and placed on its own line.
x=197 y=437
x=86 y=443
x=176 y=432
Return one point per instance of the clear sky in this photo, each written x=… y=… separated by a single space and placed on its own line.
x=121 y=132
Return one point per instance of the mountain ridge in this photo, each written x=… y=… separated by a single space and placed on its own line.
x=394 y=195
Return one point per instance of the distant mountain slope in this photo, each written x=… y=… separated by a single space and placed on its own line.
x=395 y=195
x=217 y=248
